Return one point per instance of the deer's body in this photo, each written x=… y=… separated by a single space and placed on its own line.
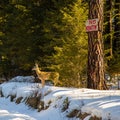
x=43 y=76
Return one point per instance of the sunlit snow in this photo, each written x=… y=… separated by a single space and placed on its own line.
x=104 y=104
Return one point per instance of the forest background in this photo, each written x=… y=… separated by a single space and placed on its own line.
x=52 y=33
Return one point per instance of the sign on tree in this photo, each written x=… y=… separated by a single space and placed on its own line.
x=92 y=25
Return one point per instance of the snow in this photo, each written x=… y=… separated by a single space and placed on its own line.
x=23 y=79
x=62 y=101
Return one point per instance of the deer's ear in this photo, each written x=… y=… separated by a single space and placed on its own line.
x=36 y=64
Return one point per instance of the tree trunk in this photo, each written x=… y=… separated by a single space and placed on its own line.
x=108 y=29
x=116 y=42
x=95 y=48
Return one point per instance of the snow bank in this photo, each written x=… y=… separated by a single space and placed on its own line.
x=23 y=79
x=63 y=101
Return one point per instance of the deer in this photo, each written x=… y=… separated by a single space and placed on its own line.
x=43 y=76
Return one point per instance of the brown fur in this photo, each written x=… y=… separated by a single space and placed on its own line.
x=54 y=76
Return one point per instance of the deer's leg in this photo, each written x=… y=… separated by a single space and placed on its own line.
x=55 y=82
x=43 y=82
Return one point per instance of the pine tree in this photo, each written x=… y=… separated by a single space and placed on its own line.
x=71 y=54
x=113 y=63
x=95 y=48
x=108 y=28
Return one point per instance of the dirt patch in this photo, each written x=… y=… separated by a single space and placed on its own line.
x=95 y=118
x=33 y=102
x=74 y=113
x=12 y=97
x=1 y=93
x=18 y=100
x=83 y=116
x=40 y=106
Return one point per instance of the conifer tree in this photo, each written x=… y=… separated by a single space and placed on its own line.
x=95 y=78
x=71 y=55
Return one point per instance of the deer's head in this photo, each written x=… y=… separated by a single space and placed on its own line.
x=36 y=67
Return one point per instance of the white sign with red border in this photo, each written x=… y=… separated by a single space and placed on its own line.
x=92 y=25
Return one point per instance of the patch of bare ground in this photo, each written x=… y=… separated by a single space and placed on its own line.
x=33 y=102
x=82 y=116
x=18 y=100
x=95 y=118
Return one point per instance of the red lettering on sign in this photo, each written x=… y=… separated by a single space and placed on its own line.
x=92 y=25
x=91 y=22
x=91 y=28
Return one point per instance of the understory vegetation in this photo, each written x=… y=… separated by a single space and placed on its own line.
x=52 y=33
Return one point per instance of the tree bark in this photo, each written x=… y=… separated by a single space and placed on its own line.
x=108 y=19
x=95 y=48
x=116 y=42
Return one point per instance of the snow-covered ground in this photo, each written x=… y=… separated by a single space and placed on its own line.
x=59 y=102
